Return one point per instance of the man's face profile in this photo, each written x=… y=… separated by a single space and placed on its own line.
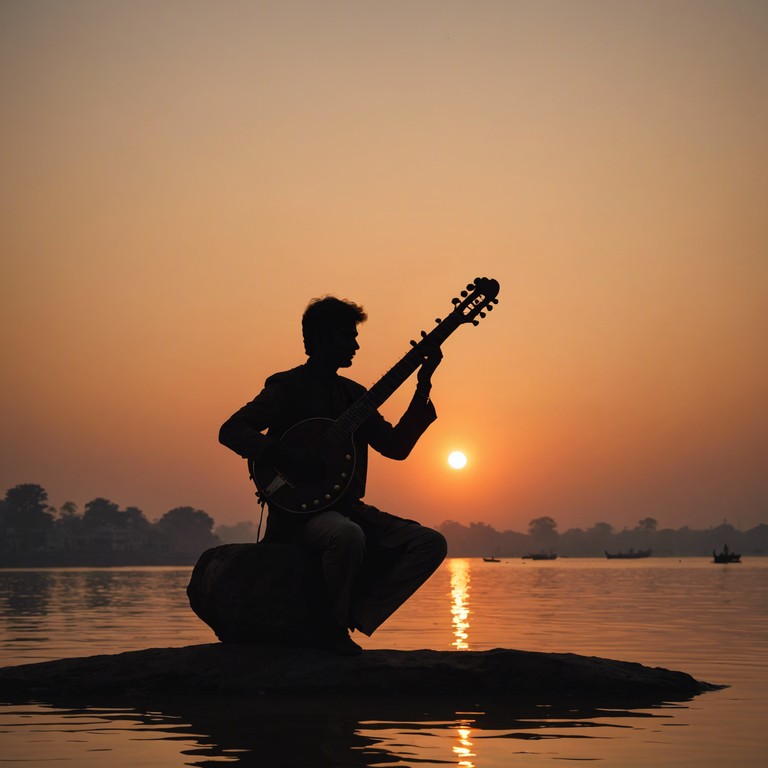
x=338 y=346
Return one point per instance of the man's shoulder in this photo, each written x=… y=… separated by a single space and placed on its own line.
x=297 y=377
x=285 y=377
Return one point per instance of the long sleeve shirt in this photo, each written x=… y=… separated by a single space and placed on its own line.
x=306 y=392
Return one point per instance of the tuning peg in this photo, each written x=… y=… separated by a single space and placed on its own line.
x=413 y=343
x=470 y=286
x=482 y=314
x=454 y=301
x=423 y=334
x=495 y=301
x=463 y=293
x=475 y=322
x=490 y=307
x=438 y=320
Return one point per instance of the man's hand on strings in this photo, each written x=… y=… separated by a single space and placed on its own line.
x=432 y=356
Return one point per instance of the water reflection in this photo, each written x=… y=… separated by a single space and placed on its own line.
x=460 y=578
x=26 y=593
x=463 y=750
x=317 y=731
x=50 y=613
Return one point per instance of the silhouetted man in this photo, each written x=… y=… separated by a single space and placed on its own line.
x=372 y=561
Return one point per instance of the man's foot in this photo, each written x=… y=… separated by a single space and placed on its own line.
x=344 y=645
x=339 y=642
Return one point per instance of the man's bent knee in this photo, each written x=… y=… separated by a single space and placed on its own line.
x=431 y=544
x=348 y=538
x=438 y=545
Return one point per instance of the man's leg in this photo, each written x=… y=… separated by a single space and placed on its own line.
x=341 y=544
x=411 y=555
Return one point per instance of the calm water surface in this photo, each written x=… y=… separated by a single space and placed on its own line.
x=708 y=620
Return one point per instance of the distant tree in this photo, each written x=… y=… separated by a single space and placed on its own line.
x=133 y=517
x=482 y=539
x=572 y=542
x=101 y=512
x=513 y=542
x=476 y=539
x=723 y=534
x=543 y=532
x=643 y=536
x=456 y=536
x=601 y=530
x=647 y=525
x=25 y=508
x=68 y=510
x=187 y=529
x=69 y=522
x=756 y=539
x=599 y=538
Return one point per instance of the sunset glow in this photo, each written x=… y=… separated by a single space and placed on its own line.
x=457 y=460
x=179 y=180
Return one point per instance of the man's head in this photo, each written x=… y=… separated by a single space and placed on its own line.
x=329 y=326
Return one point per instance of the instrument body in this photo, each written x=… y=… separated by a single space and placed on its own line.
x=331 y=441
x=280 y=487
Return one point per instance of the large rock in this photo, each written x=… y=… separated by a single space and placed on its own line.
x=219 y=668
x=258 y=593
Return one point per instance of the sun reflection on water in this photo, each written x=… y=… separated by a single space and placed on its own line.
x=460 y=579
x=463 y=750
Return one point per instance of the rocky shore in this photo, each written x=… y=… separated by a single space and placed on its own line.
x=254 y=669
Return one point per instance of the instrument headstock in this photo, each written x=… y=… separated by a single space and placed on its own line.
x=478 y=296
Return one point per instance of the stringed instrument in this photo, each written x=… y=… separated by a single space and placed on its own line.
x=332 y=438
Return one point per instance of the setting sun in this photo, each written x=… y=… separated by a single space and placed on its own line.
x=457 y=460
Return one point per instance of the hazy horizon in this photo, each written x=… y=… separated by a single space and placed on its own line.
x=253 y=520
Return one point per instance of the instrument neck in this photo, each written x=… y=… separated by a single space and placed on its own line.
x=387 y=385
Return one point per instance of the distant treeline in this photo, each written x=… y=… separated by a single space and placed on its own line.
x=479 y=539
x=34 y=533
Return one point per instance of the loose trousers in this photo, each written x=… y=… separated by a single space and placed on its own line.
x=372 y=562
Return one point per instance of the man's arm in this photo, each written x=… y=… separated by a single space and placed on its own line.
x=243 y=431
x=397 y=442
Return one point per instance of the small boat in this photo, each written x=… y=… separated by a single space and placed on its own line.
x=491 y=560
x=541 y=556
x=726 y=556
x=630 y=554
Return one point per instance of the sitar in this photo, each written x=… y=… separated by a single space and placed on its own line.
x=332 y=439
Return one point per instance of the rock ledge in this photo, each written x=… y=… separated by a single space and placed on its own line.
x=228 y=668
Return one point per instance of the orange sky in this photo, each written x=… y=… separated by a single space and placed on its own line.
x=179 y=178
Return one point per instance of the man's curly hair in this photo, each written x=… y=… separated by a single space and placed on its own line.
x=328 y=314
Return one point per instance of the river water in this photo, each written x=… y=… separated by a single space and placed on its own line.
x=688 y=614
